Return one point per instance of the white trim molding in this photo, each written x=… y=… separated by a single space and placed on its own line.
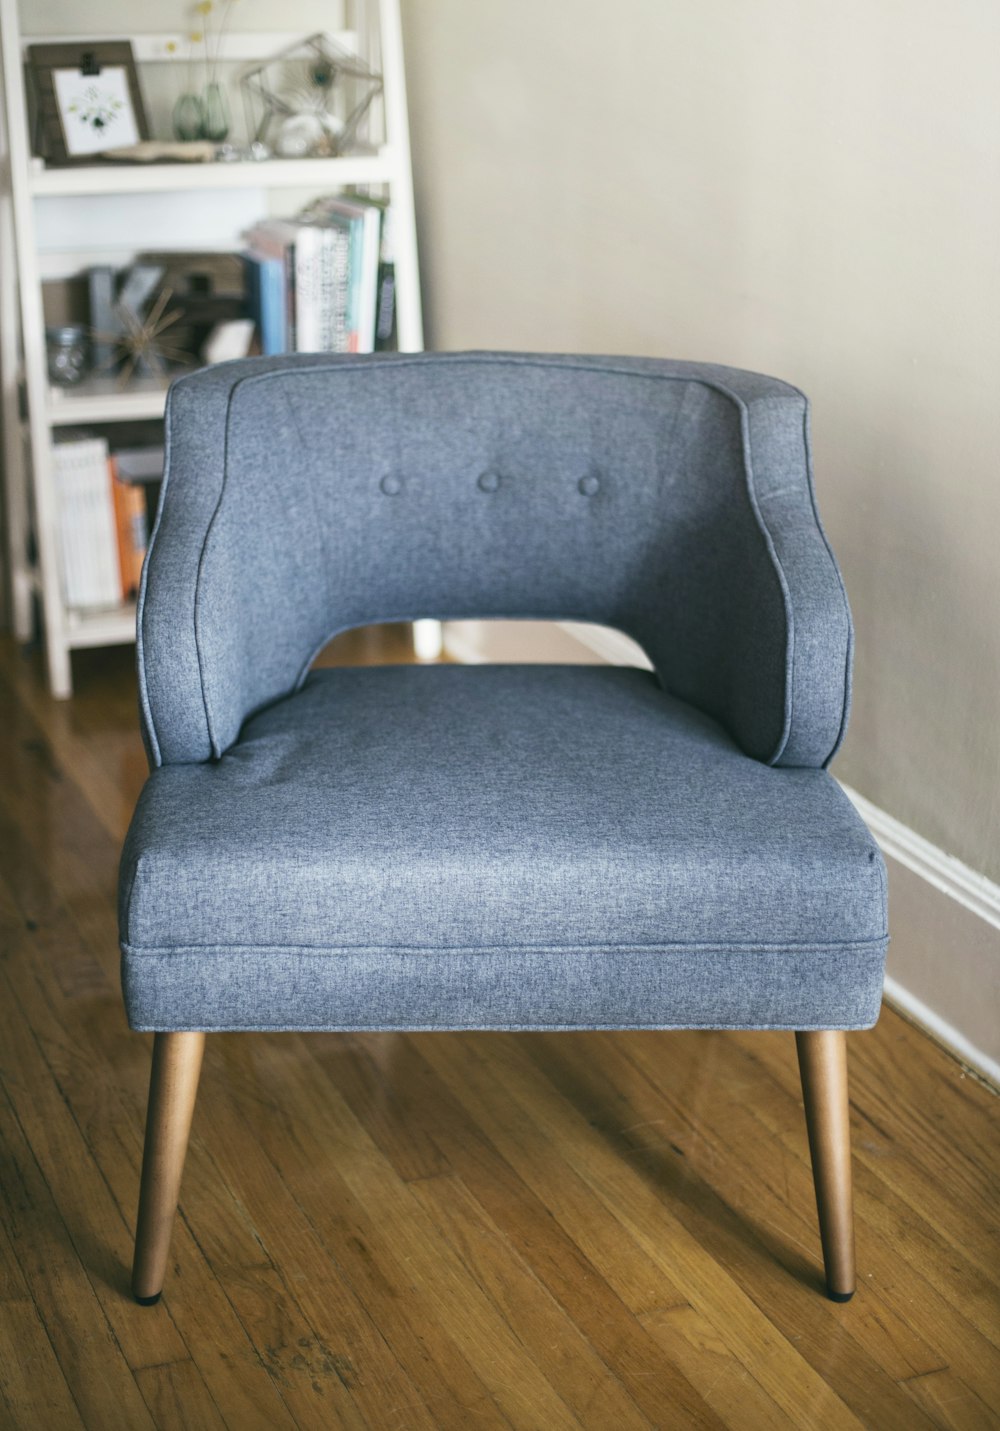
x=614 y=646
x=944 y=960
x=974 y=891
x=945 y=1033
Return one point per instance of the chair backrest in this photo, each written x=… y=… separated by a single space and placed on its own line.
x=672 y=501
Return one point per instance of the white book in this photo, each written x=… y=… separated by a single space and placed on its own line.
x=308 y=289
x=73 y=573
x=371 y=244
x=340 y=333
x=87 y=530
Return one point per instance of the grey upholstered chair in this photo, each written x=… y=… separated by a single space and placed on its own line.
x=505 y=847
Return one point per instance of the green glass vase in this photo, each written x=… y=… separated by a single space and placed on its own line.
x=187 y=117
x=214 y=113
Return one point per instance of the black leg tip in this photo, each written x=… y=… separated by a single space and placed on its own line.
x=839 y=1296
x=147 y=1301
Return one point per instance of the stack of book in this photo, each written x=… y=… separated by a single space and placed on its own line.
x=323 y=282
x=103 y=518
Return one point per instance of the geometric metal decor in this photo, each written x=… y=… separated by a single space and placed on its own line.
x=309 y=99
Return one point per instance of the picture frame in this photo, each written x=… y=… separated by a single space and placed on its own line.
x=86 y=99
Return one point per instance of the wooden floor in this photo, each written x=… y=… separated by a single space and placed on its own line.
x=447 y=1230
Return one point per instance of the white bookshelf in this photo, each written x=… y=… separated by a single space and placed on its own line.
x=27 y=184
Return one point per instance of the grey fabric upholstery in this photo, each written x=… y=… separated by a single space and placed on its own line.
x=497 y=847
x=494 y=847
x=672 y=501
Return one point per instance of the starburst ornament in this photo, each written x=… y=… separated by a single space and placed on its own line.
x=139 y=345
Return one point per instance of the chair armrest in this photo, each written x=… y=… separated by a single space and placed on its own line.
x=209 y=653
x=762 y=639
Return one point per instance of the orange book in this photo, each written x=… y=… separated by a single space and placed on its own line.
x=130 y=521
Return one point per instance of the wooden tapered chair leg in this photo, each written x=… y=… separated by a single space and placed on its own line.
x=173 y=1088
x=823 y=1067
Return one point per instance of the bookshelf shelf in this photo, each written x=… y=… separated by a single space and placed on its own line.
x=113 y=626
x=48 y=221
x=377 y=168
x=101 y=400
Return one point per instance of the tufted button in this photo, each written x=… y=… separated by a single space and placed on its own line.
x=589 y=485
x=488 y=481
x=391 y=486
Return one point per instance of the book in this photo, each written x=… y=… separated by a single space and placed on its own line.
x=273 y=240
x=308 y=260
x=385 y=313
x=139 y=464
x=323 y=282
x=87 y=527
x=299 y=248
x=338 y=325
x=131 y=529
x=361 y=221
x=142 y=467
x=385 y=321
x=265 y=283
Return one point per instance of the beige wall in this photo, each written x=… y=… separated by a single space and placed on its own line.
x=810 y=190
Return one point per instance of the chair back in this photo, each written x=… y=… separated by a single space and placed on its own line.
x=332 y=493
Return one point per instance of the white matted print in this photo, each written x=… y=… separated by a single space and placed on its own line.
x=95 y=110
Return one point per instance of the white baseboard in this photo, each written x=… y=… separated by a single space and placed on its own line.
x=974 y=891
x=614 y=646
x=944 y=957
x=473 y=642
x=945 y=1033
x=460 y=646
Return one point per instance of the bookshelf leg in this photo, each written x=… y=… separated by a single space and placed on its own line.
x=428 y=640
x=60 y=670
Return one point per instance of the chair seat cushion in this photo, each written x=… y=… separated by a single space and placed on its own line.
x=496 y=847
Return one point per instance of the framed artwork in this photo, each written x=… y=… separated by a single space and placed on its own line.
x=87 y=100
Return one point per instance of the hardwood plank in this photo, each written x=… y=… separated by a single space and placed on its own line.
x=756 y=1214
x=100 y=1229
x=56 y=851
x=571 y=1365
x=198 y=1320
x=309 y=1376
x=912 y=1259
x=949 y=1402
x=405 y=1083
x=251 y=1109
x=538 y=1128
x=752 y=1141
x=693 y=1344
x=33 y=1390
x=345 y=1340
x=912 y=1109
x=91 y=740
x=176 y=1395
x=89 y=1354
x=258 y=1311
x=375 y=1230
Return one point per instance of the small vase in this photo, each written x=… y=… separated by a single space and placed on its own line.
x=188 y=117
x=214 y=113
